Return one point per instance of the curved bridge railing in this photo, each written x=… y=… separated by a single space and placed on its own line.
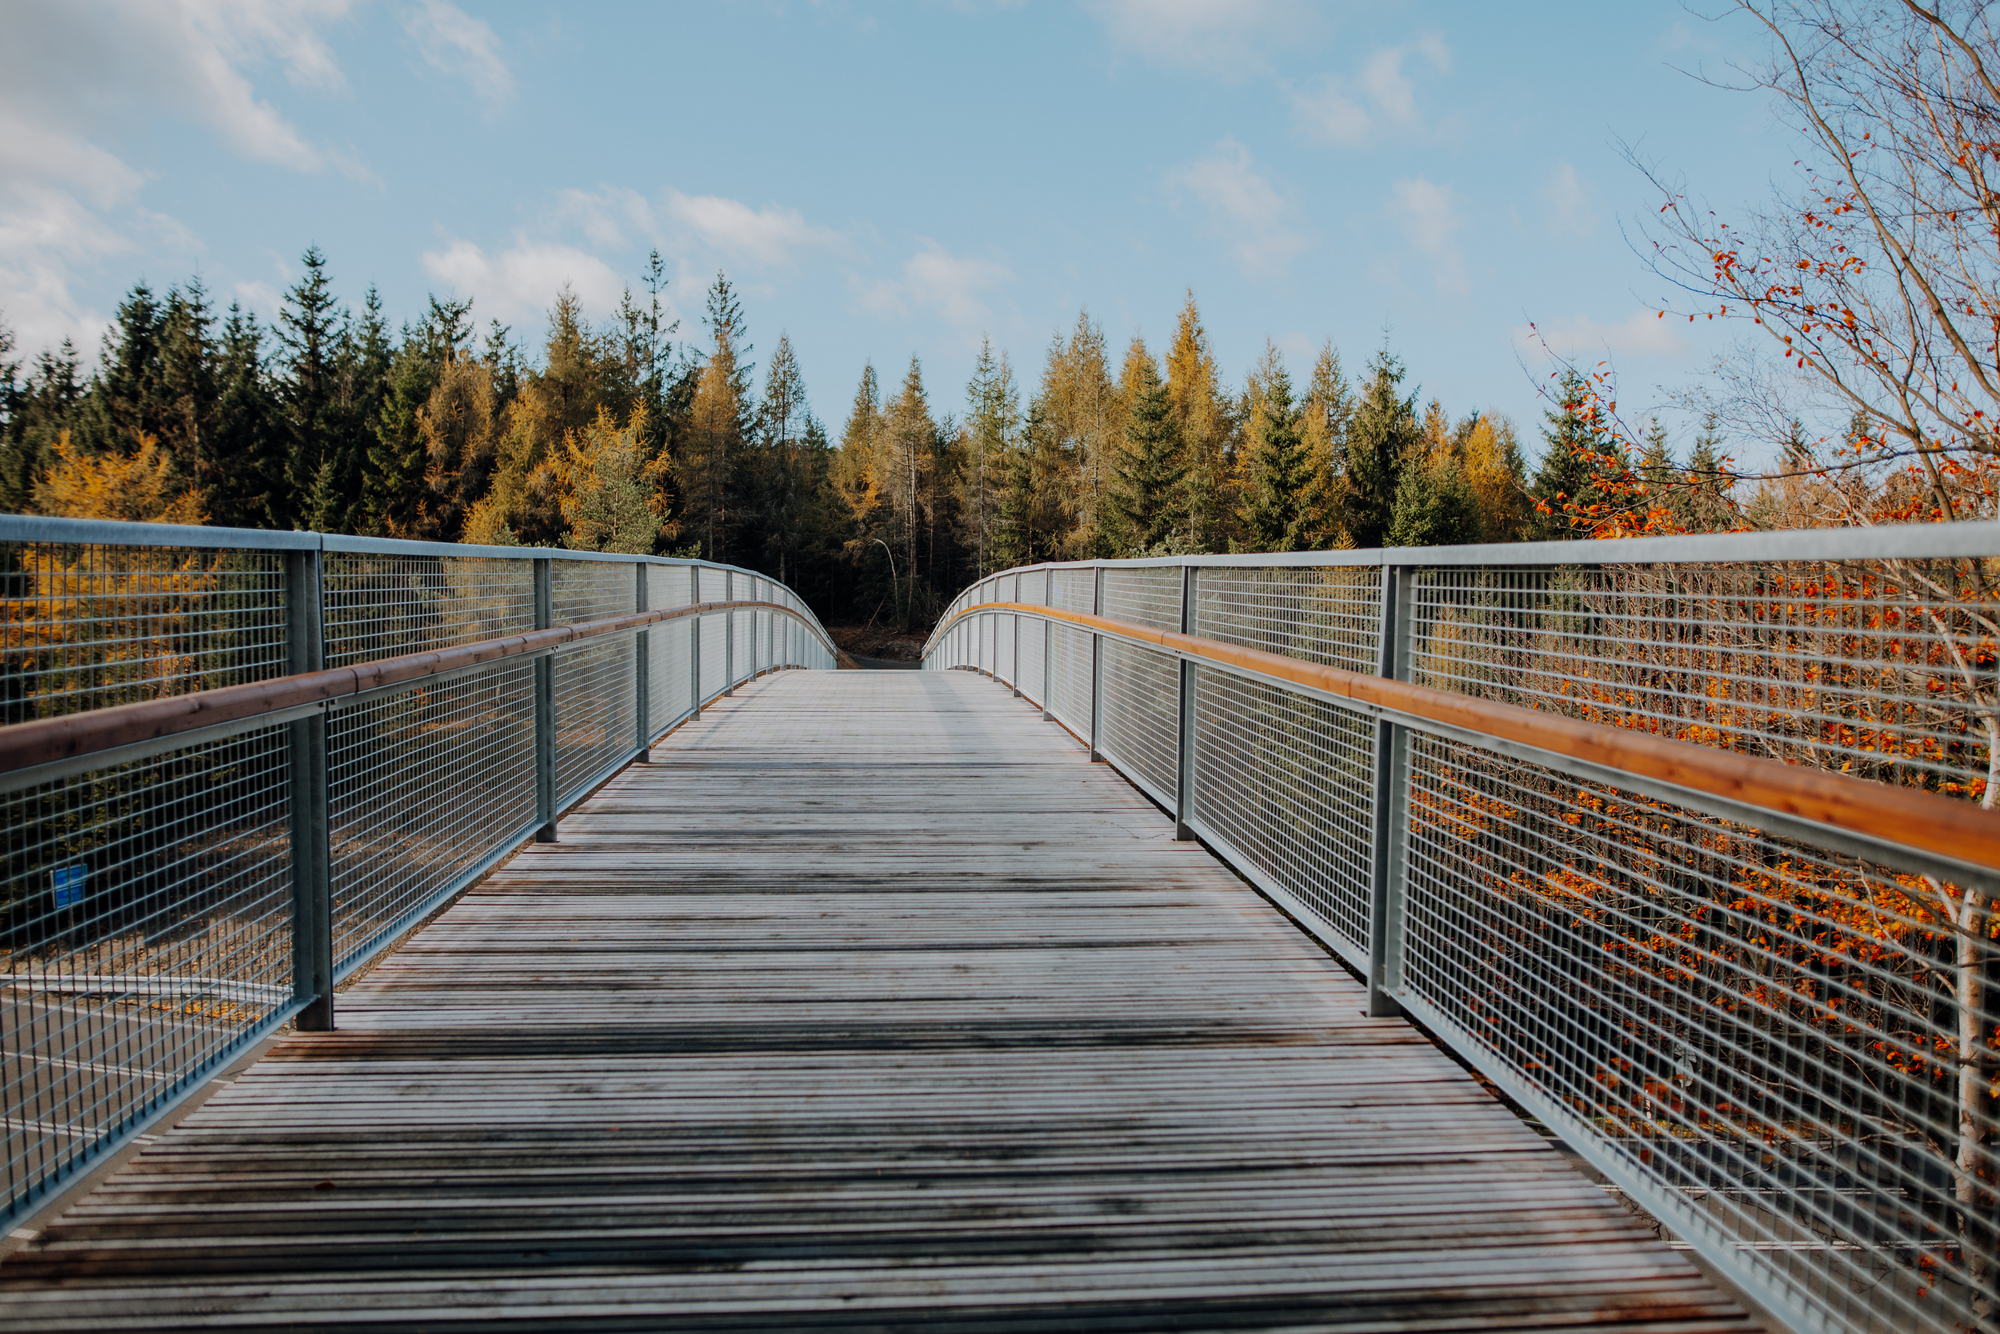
x=235 y=766
x=1685 y=843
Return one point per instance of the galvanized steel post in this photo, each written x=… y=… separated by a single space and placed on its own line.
x=729 y=634
x=545 y=708
x=1017 y=637
x=1048 y=648
x=1392 y=780
x=1184 y=754
x=642 y=654
x=312 y=859
x=1096 y=665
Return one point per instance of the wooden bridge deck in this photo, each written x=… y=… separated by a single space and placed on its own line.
x=870 y=1004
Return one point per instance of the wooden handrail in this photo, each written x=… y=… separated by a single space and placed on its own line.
x=1902 y=816
x=49 y=740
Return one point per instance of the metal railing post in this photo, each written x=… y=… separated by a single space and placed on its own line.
x=1017 y=638
x=1096 y=665
x=1048 y=649
x=1392 y=754
x=694 y=654
x=545 y=708
x=312 y=856
x=729 y=634
x=1184 y=754
x=642 y=661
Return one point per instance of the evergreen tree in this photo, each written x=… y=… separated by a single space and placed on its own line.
x=1324 y=419
x=1383 y=436
x=719 y=423
x=1581 y=481
x=1033 y=518
x=990 y=439
x=46 y=405
x=244 y=470
x=782 y=475
x=394 y=489
x=1704 y=504
x=1434 y=505
x=1151 y=491
x=1278 y=479
x=1194 y=382
x=309 y=401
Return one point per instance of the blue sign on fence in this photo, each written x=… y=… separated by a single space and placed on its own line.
x=66 y=882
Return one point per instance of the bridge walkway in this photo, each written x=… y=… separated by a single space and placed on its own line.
x=870 y=1003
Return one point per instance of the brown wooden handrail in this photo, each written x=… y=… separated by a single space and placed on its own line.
x=1902 y=816
x=48 y=740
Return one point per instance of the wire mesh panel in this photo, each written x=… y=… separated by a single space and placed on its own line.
x=714 y=584
x=714 y=651
x=87 y=626
x=422 y=786
x=384 y=604
x=1069 y=692
x=592 y=590
x=1149 y=596
x=1003 y=648
x=1034 y=684
x=1796 y=1046
x=1286 y=785
x=743 y=627
x=1140 y=717
x=148 y=936
x=1327 y=614
x=1073 y=590
x=1881 y=669
x=670 y=693
x=595 y=699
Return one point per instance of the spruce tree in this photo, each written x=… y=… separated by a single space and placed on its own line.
x=1275 y=515
x=990 y=436
x=1151 y=490
x=1577 y=484
x=248 y=486
x=1434 y=505
x=1382 y=437
x=394 y=485
x=309 y=399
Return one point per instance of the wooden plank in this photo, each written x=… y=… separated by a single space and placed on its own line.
x=871 y=1004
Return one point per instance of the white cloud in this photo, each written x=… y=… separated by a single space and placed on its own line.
x=733 y=230
x=455 y=43
x=517 y=284
x=1381 y=97
x=1580 y=338
x=1428 y=216
x=945 y=284
x=1567 y=204
x=1243 y=207
x=66 y=69
x=1226 y=37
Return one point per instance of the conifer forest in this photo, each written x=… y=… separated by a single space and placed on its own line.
x=636 y=434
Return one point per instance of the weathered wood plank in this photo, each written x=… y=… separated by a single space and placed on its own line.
x=871 y=1004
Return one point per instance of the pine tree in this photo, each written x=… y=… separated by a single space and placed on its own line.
x=1705 y=505
x=1578 y=485
x=1151 y=491
x=394 y=490
x=48 y=403
x=1434 y=505
x=854 y=472
x=1033 y=519
x=718 y=423
x=1497 y=476
x=1383 y=436
x=1193 y=382
x=1278 y=475
x=308 y=400
x=910 y=436
x=990 y=435
x=780 y=496
x=1078 y=403
x=1324 y=419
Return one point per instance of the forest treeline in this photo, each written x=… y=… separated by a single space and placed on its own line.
x=623 y=435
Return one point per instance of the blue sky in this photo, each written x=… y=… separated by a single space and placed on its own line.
x=889 y=179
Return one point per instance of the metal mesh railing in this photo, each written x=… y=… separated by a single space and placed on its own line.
x=179 y=898
x=1780 y=1036
x=85 y=625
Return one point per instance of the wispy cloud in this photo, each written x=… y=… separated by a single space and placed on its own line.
x=935 y=280
x=516 y=284
x=1224 y=37
x=1428 y=216
x=1566 y=204
x=454 y=43
x=1579 y=337
x=1380 y=97
x=1242 y=206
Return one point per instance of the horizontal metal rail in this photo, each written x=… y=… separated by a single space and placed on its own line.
x=235 y=766
x=1686 y=843
x=1900 y=819
x=32 y=746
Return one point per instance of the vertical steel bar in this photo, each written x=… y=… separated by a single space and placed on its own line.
x=1184 y=752
x=642 y=667
x=312 y=858
x=729 y=634
x=694 y=651
x=1048 y=649
x=1096 y=665
x=1392 y=750
x=1017 y=637
x=545 y=708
